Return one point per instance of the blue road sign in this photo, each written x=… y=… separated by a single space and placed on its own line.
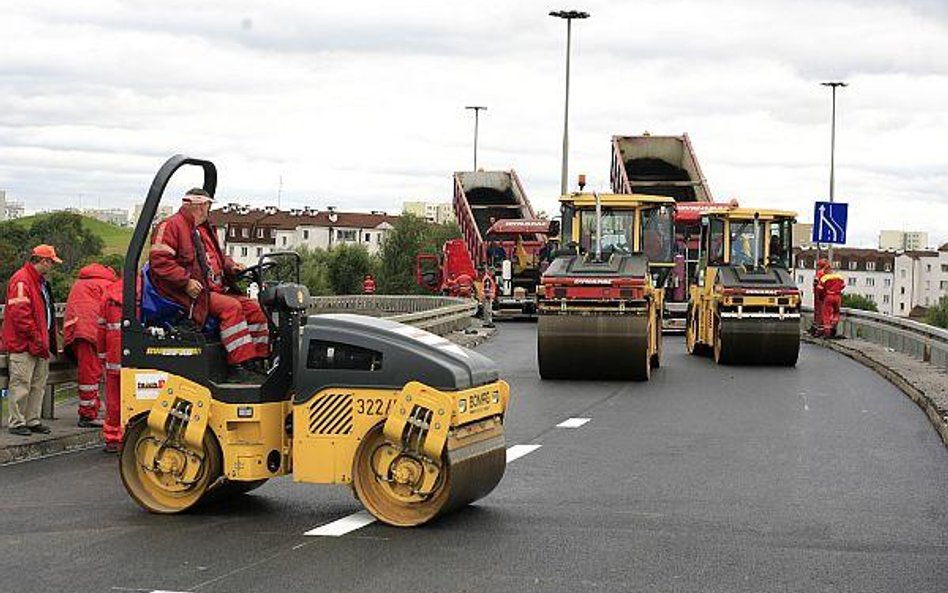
x=829 y=222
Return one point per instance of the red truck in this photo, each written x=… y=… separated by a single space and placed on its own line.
x=667 y=166
x=499 y=230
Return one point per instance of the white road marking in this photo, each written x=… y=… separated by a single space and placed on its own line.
x=805 y=405
x=359 y=520
x=344 y=525
x=518 y=451
x=572 y=423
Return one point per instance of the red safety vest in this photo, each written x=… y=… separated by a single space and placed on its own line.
x=25 y=324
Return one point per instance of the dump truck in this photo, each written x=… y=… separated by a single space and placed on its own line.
x=745 y=306
x=600 y=301
x=411 y=422
x=665 y=166
x=500 y=231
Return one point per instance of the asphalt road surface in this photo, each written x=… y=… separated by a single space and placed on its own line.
x=818 y=478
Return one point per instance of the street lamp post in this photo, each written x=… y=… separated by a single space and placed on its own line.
x=477 y=110
x=833 y=85
x=569 y=15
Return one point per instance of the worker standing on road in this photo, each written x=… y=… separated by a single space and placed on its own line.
x=830 y=287
x=368 y=285
x=29 y=335
x=188 y=267
x=109 y=346
x=80 y=329
x=821 y=266
x=488 y=290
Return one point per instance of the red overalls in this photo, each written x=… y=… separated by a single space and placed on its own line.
x=831 y=286
x=79 y=327
x=244 y=331
x=109 y=344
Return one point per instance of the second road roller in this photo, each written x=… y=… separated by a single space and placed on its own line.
x=413 y=423
x=745 y=306
x=600 y=299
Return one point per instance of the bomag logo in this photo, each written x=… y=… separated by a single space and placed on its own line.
x=478 y=400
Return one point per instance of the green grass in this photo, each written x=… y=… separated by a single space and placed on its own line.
x=116 y=238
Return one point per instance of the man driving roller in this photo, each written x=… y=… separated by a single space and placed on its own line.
x=189 y=267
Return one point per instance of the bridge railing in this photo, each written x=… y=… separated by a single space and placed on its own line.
x=918 y=340
x=438 y=315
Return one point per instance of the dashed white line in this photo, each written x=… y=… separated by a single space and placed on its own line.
x=572 y=423
x=344 y=525
x=518 y=451
x=360 y=519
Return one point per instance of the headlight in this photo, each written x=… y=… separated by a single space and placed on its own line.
x=496 y=397
x=462 y=405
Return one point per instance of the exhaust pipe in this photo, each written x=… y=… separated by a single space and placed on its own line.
x=598 y=227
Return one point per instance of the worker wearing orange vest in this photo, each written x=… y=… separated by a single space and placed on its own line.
x=821 y=266
x=829 y=289
x=489 y=291
x=109 y=345
x=368 y=285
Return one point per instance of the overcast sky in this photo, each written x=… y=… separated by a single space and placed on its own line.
x=360 y=105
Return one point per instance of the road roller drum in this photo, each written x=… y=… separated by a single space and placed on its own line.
x=603 y=346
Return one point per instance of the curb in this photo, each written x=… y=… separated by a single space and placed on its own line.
x=51 y=446
x=937 y=417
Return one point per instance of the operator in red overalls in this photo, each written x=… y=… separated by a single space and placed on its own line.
x=189 y=267
x=830 y=288
x=821 y=266
x=368 y=285
x=109 y=345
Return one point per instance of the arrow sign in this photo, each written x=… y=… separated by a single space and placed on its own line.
x=829 y=222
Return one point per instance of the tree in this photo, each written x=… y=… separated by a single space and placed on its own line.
x=74 y=243
x=411 y=236
x=347 y=267
x=938 y=314
x=857 y=301
x=314 y=271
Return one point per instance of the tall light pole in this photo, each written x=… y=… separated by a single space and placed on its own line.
x=477 y=111
x=569 y=15
x=833 y=85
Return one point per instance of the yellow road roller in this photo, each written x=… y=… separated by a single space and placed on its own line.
x=413 y=423
x=745 y=306
x=600 y=300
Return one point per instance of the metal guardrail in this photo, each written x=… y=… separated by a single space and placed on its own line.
x=919 y=340
x=438 y=315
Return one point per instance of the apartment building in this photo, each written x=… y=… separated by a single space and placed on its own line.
x=247 y=233
x=898 y=282
x=436 y=212
x=904 y=240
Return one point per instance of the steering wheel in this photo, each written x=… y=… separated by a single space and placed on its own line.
x=255 y=272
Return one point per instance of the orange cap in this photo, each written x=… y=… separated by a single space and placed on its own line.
x=47 y=251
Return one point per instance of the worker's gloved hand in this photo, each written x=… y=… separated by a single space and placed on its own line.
x=193 y=288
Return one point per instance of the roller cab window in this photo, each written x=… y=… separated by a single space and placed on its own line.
x=743 y=237
x=618 y=231
x=658 y=233
x=778 y=254
x=714 y=241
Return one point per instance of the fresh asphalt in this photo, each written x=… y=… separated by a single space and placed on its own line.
x=823 y=477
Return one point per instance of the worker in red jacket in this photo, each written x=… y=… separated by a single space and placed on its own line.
x=80 y=329
x=830 y=288
x=189 y=267
x=821 y=266
x=29 y=335
x=109 y=346
x=368 y=285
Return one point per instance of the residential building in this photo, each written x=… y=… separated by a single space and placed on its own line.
x=164 y=211
x=436 y=212
x=906 y=241
x=901 y=283
x=247 y=233
x=116 y=216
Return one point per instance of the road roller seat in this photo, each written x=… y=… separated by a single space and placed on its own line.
x=360 y=351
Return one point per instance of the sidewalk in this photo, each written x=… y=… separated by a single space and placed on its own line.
x=926 y=384
x=65 y=436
